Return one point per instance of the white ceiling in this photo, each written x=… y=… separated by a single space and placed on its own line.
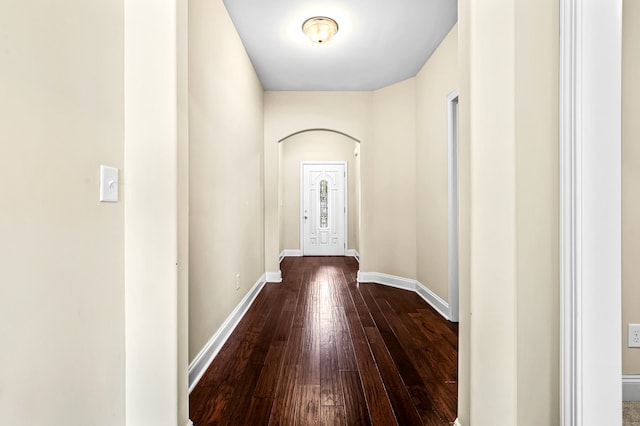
x=379 y=42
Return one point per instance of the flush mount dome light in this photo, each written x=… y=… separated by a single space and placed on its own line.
x=320 y=29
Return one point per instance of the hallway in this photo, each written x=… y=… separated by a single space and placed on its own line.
x=321 y=349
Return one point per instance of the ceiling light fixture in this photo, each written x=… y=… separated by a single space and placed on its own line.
x=320 y=29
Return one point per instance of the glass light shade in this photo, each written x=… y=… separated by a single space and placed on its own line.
x=320 y=29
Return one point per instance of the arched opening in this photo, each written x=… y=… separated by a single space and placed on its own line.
x=315 y=145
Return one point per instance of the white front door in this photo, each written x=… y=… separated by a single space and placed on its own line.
x=323 y=209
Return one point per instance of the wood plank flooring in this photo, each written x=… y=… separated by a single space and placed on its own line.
x=321 y=349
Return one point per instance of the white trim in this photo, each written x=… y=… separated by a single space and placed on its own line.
x=457 y=422
x=389 y=280
x=290 y=253
x=354 y=253
x=190 y=423
x=274 y=277
x=590 y=200
x=346 y=199
x=452 y=156
x=631 y=387
x=435 y=301
x=202 y=361
x=298 y=253
x=570 y=359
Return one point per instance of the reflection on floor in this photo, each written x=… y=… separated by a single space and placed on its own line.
x=319 y=348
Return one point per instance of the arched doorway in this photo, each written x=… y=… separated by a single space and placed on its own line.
x=315 y=145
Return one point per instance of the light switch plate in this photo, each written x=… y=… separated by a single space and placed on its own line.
x=634 y=336
x=108 y=184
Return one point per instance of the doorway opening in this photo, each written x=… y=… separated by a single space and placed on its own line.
x=317 y=146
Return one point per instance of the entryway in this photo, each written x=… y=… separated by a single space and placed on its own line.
x=321 y=147
x=323 y=208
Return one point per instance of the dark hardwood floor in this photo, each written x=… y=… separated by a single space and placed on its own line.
x=319 y=348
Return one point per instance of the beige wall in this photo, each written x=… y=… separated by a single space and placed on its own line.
x=435 y=81
x=384 y=121
x=630 y=179
x=493 y=215
x=537 y=205
x=510 y=111
x=314 y=146
x=155 y=327
x=290 y=112
x=62 y=251
x=226 y=160
x=464 y=207
x=464 y=212
x=388 y=239
x=182 y=153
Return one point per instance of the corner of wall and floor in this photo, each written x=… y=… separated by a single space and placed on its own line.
x=203 y=360
x=429 y=296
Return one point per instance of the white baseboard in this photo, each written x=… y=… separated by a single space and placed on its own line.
x=436 y=302
x=274 y=277
x=213 y=346
x=631 y=387
x=290 y=253
x=298 y=253
x=354 y=253
x=390 y=280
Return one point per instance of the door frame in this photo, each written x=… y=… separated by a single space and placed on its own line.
x=346 y=200
x=453 y=230
x=590 y=216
